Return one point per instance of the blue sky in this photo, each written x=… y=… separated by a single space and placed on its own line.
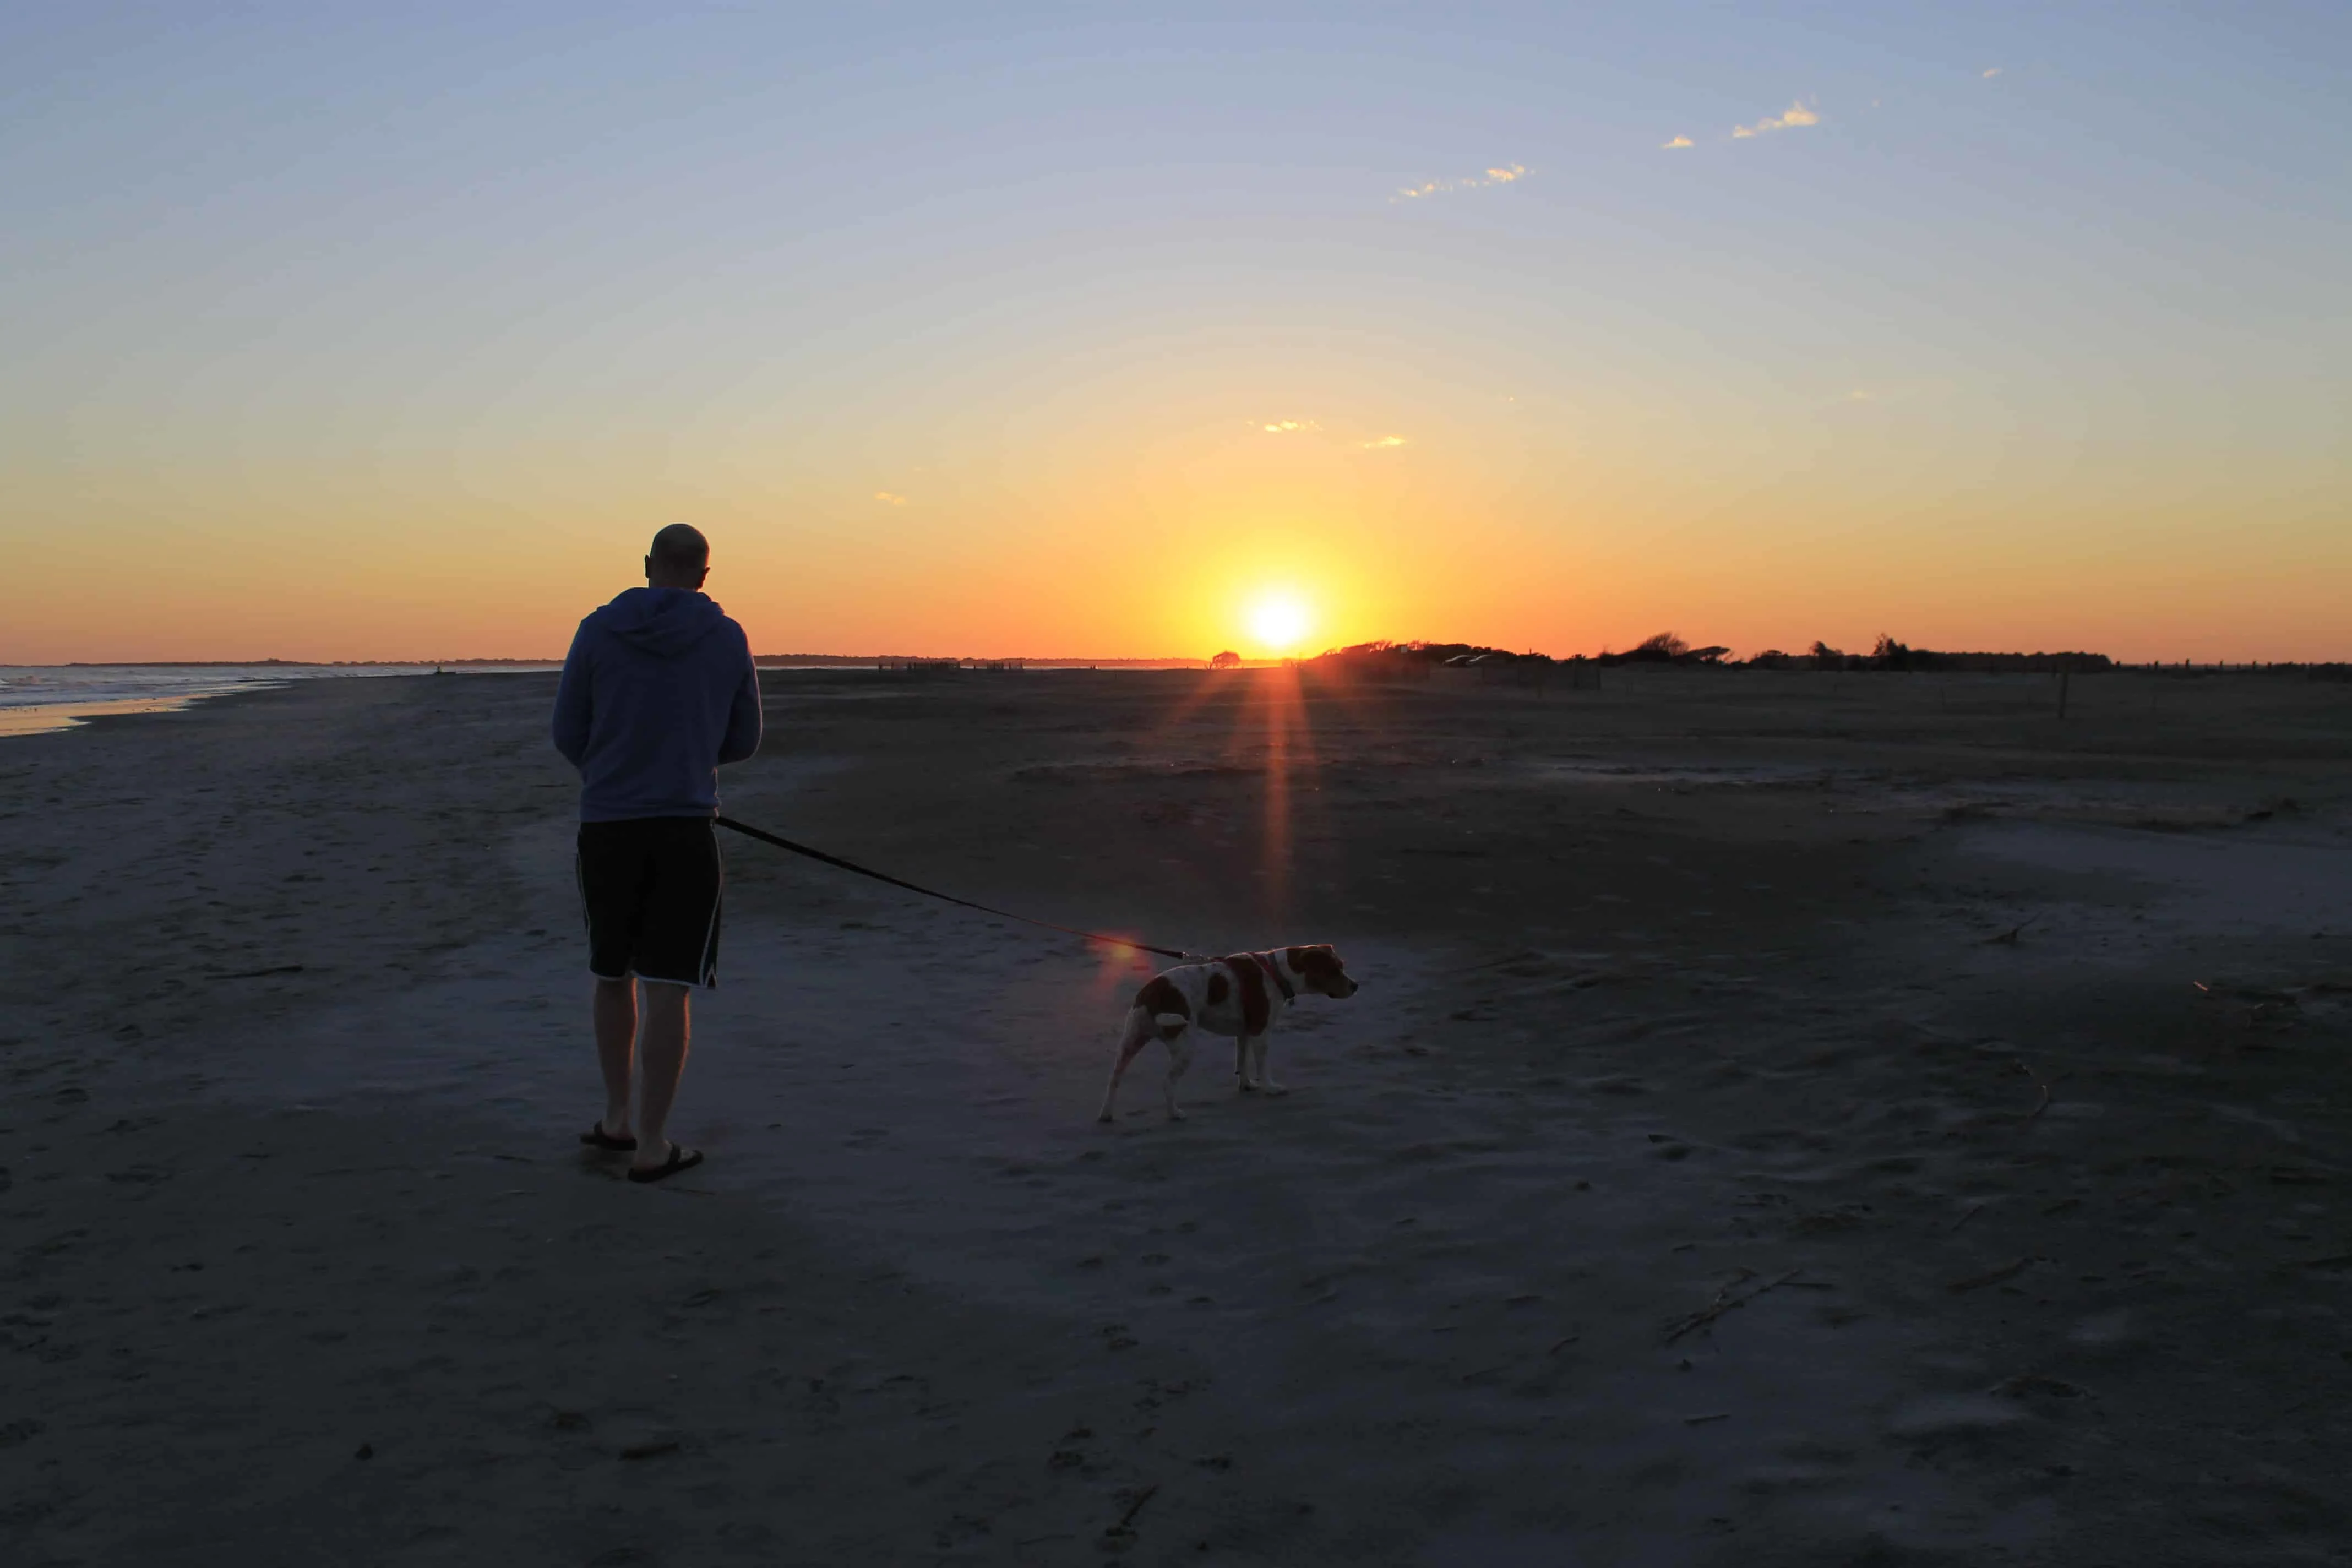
x=2019 y=303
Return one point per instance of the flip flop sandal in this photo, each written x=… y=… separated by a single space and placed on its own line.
x=597 y=1138
x=681 y=1158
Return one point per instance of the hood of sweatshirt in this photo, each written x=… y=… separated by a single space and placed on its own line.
x=663 y=622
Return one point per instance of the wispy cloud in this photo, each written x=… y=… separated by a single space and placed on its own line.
x=1385 y=444
x=1991 y=73
x=1284 y=426
x=1798 y=113
x=1677 y=142
x=887 y=498
x=1885 y=393
x=1509 y=173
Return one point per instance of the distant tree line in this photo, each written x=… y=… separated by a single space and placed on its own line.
x=1416 y=660
x=1667 y=648
x=1888 y=653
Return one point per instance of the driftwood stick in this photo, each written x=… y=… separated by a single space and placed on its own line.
x=1724 y=1302
x=1126 y=1521
x=1992 y=1277
x=2043 y=1103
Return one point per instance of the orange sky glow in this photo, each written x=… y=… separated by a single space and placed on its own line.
x=366 y=336
x=1172 y=545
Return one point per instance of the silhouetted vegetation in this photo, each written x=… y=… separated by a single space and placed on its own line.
x=1414 y=660
x=1430 y=652
x=1665 y=648
x=1888 y=653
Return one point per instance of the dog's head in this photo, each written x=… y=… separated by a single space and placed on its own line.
x=1320 y=969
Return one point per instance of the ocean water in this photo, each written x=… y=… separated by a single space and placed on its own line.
x=38 y=698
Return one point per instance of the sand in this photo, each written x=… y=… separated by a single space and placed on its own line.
x=1969 y=1088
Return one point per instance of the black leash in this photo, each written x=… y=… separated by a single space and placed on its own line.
x=766 y=838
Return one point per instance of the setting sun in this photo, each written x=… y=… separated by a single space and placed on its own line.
x=1279 y=621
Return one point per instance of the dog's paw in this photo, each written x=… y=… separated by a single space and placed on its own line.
x=1273 y=1087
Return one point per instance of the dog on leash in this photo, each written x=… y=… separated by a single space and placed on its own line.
x=1239 y=996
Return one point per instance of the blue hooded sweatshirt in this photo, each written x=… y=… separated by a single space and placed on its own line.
x=658 y=690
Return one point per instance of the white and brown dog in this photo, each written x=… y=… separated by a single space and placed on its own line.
x=1237 y=997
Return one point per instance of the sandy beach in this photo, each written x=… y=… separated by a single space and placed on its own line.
x=1788 y=1117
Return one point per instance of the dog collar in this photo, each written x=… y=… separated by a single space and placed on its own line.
x=1274 y=972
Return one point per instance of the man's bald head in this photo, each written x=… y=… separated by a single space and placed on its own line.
x=680 y=558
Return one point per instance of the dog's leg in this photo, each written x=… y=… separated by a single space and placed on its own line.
x=1264 y=1075
x=1180 y=1056
x=1138 y=1035
x=1242 y=1079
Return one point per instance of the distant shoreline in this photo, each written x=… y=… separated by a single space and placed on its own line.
x=1955 y=663
x=863 y=660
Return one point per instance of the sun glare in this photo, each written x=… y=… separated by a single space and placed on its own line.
x=1279 y=621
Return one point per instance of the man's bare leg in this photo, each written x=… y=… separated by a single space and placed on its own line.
x=615 y=1009
x=663 y=1063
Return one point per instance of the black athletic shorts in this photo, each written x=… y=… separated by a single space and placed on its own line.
x=649 y=888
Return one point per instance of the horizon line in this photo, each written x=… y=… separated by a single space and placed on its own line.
x=858 y=658
x=558 y=660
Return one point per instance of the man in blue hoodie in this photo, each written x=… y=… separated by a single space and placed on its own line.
x=658 y=690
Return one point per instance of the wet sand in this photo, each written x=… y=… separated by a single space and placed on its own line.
x=1788 y=1119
